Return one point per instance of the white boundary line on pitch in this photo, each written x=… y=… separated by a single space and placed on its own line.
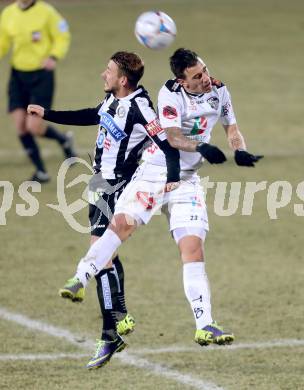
x=287 y=343
x=124 y=357
x=42 y=356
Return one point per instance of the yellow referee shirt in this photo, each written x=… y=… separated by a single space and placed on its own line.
x=34 y=34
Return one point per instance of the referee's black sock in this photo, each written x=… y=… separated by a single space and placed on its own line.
x=121 y=284
x=107 y=297
x=30 y=146
x=55 y=134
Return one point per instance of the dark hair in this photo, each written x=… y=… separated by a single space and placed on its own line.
x=182 y=59
x=130 y=65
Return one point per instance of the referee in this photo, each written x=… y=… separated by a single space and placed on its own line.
x=39 y=37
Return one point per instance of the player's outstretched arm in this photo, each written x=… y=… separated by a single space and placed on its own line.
x=84 y=117
x=210 y=152
x=237 y=144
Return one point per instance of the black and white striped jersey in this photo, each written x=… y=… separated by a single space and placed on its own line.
x=126 y=126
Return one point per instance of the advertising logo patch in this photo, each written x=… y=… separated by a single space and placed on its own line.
x=153 y=127
x=100 y=138
x=199 y=126
x=169 y=112
x=36 y=36
x=146 y=199
x=107 y=121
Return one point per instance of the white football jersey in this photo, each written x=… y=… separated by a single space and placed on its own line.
x=196 y=115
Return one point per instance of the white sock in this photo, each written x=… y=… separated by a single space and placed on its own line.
x=98 y=256
x=197 y=291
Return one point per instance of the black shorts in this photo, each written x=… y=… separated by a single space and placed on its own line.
x=101 y=213
x=36 y=87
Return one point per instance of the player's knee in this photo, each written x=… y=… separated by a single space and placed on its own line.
x=35 y=126
x=191 y=249
x=123 y=226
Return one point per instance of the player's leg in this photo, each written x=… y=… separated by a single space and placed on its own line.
x=18 y=99
x=130 y=212
x=189 y=225
x=42 y=91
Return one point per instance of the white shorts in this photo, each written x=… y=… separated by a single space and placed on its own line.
x=144 y=197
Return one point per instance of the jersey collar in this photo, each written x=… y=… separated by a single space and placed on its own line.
x=28 y=7
x=137 y=91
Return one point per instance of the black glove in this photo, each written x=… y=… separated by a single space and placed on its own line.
x=245 y=159
x=211 y=153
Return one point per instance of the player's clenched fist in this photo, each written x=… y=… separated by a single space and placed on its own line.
x=34 y=109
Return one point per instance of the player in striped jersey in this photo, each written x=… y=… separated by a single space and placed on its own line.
x=127 y=122
x=189 y=107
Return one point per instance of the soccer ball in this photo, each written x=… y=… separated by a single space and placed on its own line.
x=155 y=30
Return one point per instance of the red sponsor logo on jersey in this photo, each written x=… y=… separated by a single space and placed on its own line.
x=153 y=127
x=107 y=144
x=146 y=199
x=169 y=112
x=152 y=149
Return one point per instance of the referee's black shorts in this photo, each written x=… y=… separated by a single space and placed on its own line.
x=34 y=87
x=101 y=213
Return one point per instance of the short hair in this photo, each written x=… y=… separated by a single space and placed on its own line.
x=130 y=65
x=182 y=59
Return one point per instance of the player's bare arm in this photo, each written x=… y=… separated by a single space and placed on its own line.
x=235 y=139
x=210 y=152
x=177 y=140
x=237 y=143
x=35 y=109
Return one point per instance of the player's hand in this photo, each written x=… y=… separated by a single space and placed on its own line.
x=49 y=63
x=211 y=153
x=245 y=159
x=172 y=186
x=34 y=109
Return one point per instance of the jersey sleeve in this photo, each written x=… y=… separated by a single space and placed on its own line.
x=59 y=31
x=227 y=113
x=169 y=109
x=84 y=117
x=5 y=41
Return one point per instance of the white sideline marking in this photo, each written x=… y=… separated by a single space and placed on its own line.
x=259 y=345
x=42 y=356
x=124 y=357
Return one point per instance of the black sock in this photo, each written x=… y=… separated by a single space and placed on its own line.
x=107 y=297
x=52 y=133
x=30 y=146
x=119 y=272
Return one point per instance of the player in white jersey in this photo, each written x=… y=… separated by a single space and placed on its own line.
x=189 y=107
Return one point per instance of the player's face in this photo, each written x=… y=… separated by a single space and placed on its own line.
x=197 y=79
x=112 y=78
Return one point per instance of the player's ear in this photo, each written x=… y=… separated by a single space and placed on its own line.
x=182 y=82
x=124 y=81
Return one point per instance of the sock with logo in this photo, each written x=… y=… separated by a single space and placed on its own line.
x=120 y=276
x=197 y=291
x=107 y=297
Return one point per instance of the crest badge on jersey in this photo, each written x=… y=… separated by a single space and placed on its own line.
x=36 y=36
x=213 y=102
x=121 y=111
